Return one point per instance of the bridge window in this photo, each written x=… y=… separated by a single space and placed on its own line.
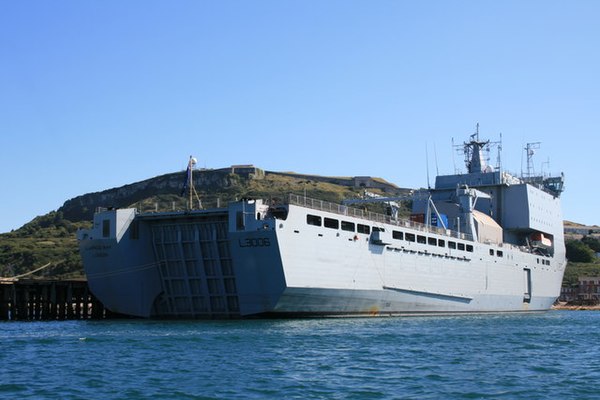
x=348 y=226
x=313 y=220
x=432 y=241
x=363 y=228
x=397 y=235
x=452 y=245
x=441 y=243
x=410 y=237
x=470 y=248
x=461 y=246
x=500 y=253
x=421 y=239
x=331 y=223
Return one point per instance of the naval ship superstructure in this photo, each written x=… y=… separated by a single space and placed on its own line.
x=480 y=241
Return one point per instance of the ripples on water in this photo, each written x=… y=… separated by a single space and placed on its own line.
x=544 y=356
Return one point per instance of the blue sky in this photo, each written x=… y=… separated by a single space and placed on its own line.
x=98 y=94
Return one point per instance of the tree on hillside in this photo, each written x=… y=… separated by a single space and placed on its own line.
x=578 y=251
x=592 y=242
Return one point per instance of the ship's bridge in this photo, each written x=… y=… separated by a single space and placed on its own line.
x=487 y=178
x=472 y=180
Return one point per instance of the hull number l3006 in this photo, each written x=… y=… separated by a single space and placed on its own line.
x=254 y=242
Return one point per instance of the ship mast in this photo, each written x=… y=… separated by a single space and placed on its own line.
x=191 y=164
x=530 y=151
x=190 y=184
x=476 y=153
x=474 y=156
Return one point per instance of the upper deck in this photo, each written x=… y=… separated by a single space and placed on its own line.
x=553 y=185
x=341 y=209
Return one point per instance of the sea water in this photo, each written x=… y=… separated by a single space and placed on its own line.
x=551 y=355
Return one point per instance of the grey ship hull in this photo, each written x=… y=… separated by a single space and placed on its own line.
x=501 y=249
x=201 y=265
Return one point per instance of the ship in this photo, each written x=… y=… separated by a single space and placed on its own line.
x=483 y=240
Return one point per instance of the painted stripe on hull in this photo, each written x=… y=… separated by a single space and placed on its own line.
x=385 y=302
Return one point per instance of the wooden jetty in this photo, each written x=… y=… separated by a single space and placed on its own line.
x=49 y=299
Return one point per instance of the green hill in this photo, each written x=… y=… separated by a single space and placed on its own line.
x=51 y=237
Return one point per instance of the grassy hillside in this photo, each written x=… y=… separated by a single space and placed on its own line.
x=46 y=239
x=577 y=269
x=272 y=186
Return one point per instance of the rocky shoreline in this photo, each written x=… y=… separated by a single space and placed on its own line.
x=573 y=307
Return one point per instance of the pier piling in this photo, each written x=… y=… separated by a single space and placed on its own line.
x=47 y=300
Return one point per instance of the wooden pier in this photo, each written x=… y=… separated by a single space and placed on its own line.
x=48 y=300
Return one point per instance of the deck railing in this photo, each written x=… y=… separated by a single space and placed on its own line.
x=341 y=209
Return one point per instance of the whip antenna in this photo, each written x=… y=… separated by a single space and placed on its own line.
x=427 y=162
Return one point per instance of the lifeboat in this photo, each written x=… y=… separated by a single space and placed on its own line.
x=539 y=240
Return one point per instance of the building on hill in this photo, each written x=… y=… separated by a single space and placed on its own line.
x=356 y=181
x=248 y=171
x=587 y=290
x=582 y=230
x=369 y=182
x=568 y=293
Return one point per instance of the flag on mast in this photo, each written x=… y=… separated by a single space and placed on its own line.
x=188 y=175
